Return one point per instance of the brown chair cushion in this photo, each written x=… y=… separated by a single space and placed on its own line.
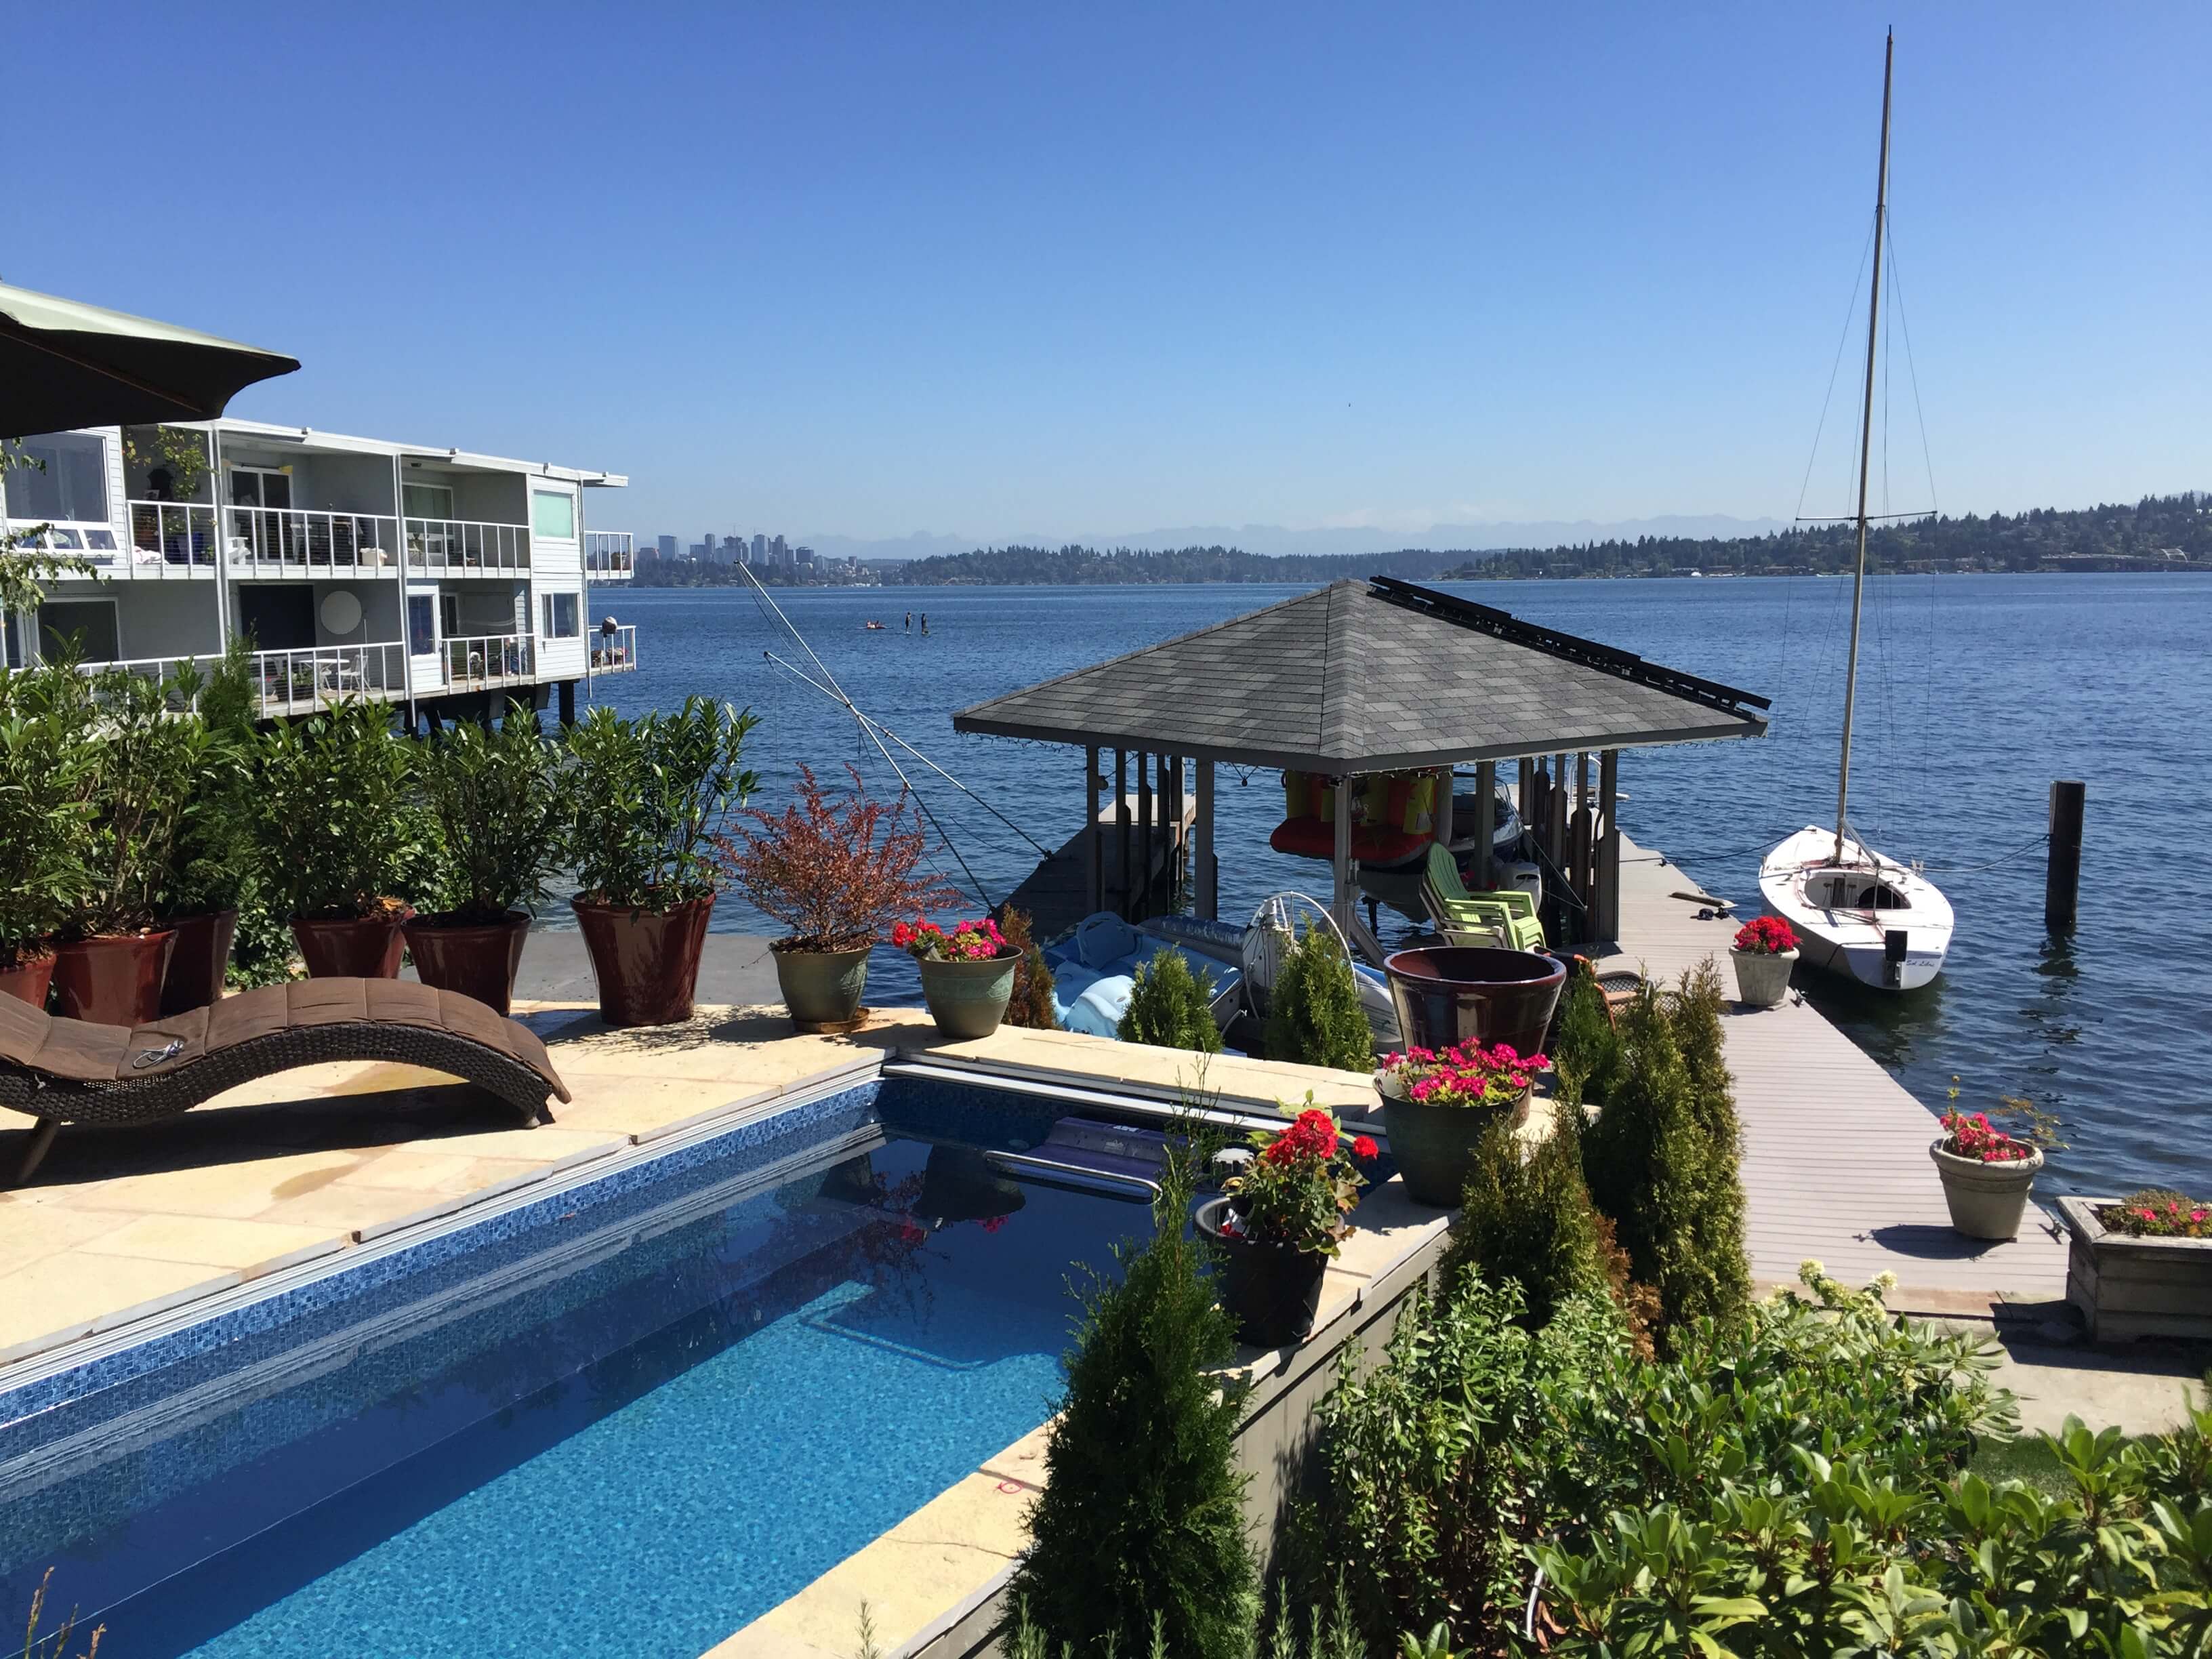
x=73 y=1048
x=248 y=1015
x=166 y=1044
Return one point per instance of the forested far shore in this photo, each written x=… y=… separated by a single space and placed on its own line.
x=2158 y=533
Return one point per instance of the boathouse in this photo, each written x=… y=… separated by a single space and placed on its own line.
x=1359 y=679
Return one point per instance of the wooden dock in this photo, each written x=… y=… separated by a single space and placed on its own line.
x=1835 y=1151
x=1057 y=893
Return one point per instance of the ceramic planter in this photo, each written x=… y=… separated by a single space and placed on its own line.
x=2127 y=1288
x=1273 y=1290
x=28 y=979
x=1987 y=1200
x=823 y=988
x=1446 y=995
x=1762 y=978
x=969 y=998
x=647 y=962
x=352 y=947
x=114 y=980
x=478 y=959
x=1434 y=1146
x=200 y=963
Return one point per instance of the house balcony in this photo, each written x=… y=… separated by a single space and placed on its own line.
x=291 y=682
x=615 y=652
x=608 y=556
x=467 y=547
x=477 y=661
x=295 y=542
x=172 y=540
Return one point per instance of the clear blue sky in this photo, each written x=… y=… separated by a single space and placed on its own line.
x=1047 y=268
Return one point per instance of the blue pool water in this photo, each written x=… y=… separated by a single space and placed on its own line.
x=627 y=1428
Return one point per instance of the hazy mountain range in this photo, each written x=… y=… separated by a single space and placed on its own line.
x=1275 y=539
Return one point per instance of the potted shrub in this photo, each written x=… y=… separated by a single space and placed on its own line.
x=2140 y=1266
x=835 y=873
x=967 y=974
x=1437 y=1105
x=44 y=815
x=644 y=799
x=144 y=756
x=335 y=828
x=1764 y=951
x=212 y=866
x=1986 y=1172
x=1313 y=1017
x=495 y=799
x=1281 y=1222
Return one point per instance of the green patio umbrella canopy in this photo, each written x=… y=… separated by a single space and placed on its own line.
x=66 y=364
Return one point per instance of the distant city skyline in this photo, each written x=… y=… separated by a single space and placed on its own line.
x=1051 y=275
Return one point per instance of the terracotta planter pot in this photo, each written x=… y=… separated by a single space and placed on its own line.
x=112 y=981
x=201 y=961
x=1762 y=978
x=969 y=998
x=352 y=947
x=823 y=988
x=1987 y=1200
x=1434 y=1146
x=1446 y=995
x=1274 y=1291
x=478 y=959
x=27 y=980
x=647 y=962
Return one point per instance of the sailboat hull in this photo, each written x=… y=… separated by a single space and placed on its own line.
x=1862 y=916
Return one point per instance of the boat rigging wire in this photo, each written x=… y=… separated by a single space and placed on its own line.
x=762 y=598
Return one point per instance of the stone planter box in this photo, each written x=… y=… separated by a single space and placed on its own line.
x=2127 y=1288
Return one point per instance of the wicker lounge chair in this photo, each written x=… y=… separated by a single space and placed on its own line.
x=71 y=1071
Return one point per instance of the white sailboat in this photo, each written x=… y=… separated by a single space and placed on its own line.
x=1854 y=910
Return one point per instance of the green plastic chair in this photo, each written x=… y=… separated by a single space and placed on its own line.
x=1509 y=911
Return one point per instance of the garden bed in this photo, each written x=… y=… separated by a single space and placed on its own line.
x=2128 y=1287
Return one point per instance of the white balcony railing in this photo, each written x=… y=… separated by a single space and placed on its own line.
x=289 y=682
x=284 y=541
x=172 y=538
x=480 y=659
x=465 y=546
x=607 y=554
x=615 y=652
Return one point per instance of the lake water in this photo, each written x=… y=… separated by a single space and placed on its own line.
x=1975 y=693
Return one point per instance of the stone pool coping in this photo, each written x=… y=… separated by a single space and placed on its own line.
x=932 y=1584
x=126 y=1226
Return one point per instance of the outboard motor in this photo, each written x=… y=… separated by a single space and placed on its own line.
x=1892 y=958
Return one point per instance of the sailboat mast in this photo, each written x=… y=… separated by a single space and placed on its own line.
x=1866 y=447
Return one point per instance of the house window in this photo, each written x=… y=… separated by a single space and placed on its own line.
x=68 y=481
x=83 y=629
x=561 y=622
x=428 y=500
x=553 y=515
x=421 y=624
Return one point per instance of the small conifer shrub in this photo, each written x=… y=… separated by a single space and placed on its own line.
x=1031 y=1006
x=1586 y=1050
x=1314 y=1018
x=1168 y=1007
x=1529 y=1219
x=1138 y=1537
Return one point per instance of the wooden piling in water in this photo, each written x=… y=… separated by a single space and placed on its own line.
x=2061 y=879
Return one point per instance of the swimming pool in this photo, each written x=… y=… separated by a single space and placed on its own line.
x=623 y=1417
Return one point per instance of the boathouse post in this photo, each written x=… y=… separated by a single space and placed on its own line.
x=1204 y=870
x=1583 y=843
x=1120 y=829
x=1608 y=918
x=1440 y=808
x=1486 y=821
x=1138 y=885
x=1093 y=836
x=2061 y=879
x=1340 y=857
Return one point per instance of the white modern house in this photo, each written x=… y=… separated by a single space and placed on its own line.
x=437 y=579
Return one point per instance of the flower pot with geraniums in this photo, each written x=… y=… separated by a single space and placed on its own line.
x=1437 y=1105
x=46 y=810
x=496 y=799
x=1986 y=1171
x=1281 y=1221
x=2140 y=1266
x=146 y=751
x=967 y=974
x=644 y=799
x=337 y=830
x=836 y=871
x=1765 y=952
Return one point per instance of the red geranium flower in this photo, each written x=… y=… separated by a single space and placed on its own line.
x=1364 y=1146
